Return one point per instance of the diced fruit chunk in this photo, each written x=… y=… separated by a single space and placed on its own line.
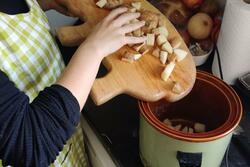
x=127 y=60
x=185 y=129
x=137 y=47
x=137 y=56
x=163 y=57
x=161 y=39
x=167 y=71
x=167 y=122
x=167 y=47
x=161 y=31
x=136 y=5
x=190 y=130
x=176 y=43
x=180 y=54
x=150 y=39
x=132 y=10
x=177 y=88
x=138 y=32
x=199 y=127
x=131 y=56
x=101 y=3
x=178 y=127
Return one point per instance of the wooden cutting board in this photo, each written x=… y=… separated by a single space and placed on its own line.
x=141 y=79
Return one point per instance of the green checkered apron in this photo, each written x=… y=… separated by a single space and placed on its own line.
x=31 y=59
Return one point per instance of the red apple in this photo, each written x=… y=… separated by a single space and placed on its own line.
x=192 y=4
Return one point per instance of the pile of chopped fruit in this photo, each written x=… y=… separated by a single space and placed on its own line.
x=158 y=44
x=194 y=127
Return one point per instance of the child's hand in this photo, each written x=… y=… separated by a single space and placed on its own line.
x=110 y=34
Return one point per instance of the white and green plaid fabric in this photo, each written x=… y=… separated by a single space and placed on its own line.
x=31 y=59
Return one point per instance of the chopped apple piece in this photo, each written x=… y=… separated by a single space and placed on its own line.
x=176 y=43
x=167 y=71
x=150 y=39
x=167 y=122
x=129 y=60
x=180 y=54
x=101 y=3
x=190 y=130
x=167 y=47
x=177 y=88
x=163 y=57
x=128 y=57
x=136 y=5
x=156 y=52
x=161 y=22
x=138 y=32
x=178 y=127
x=132 y=9
x=199 y=127
x=137 y=47
x=161 y=31
x=161 y=39
x=185 y=129
x=131 y=56
x=145 y=49
x=137 y=56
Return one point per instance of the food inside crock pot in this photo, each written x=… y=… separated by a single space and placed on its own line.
x=185 y=126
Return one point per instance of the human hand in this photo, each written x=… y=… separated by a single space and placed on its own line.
x=110 y=34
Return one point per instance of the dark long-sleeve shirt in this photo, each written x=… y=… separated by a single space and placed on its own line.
x=32 y=134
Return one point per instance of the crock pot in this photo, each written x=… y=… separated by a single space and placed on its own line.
x=211 y=102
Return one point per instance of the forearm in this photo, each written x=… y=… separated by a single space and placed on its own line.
x=80 y=73
x=28 y=131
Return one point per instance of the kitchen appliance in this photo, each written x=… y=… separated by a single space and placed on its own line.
x=211 y=102
x=232 y=55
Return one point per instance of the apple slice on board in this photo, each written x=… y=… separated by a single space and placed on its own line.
x=141 y=79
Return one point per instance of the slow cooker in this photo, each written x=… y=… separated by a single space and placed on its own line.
x=211 y=102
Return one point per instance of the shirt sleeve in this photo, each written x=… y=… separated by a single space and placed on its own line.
x=33 y=134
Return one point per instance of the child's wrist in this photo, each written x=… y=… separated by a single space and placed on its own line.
x=92 y=50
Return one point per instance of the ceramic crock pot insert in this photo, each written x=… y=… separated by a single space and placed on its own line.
x=232 y=118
